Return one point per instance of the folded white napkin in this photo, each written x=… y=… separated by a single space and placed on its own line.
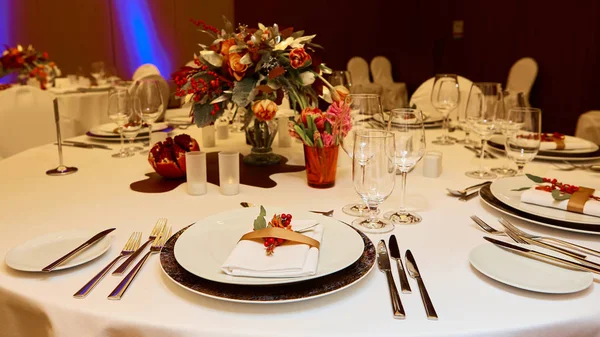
x=248 y=258
x=543 y=198
x=570 y=144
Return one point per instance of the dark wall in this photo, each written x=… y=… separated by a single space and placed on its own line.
x=416 y=35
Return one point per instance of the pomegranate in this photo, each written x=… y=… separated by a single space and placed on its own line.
x=168 y=157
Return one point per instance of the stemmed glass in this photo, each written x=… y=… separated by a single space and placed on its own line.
x=134 y=125
x=340 y=77
x=523 y=135
x=409 y=133
x=98 y=72
x=151 y=102
x=445 y=97
x=364 y=109
x=373 y=175
x=482 y=108
x=119 y=112
x=509 y=100
x=461 y=118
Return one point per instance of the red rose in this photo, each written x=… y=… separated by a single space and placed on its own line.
x=236 y=68
x=264 y=110
x=299 y=58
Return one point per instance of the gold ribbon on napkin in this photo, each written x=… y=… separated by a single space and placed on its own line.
x=280 y=233
x=579 y=198
x=560 y=143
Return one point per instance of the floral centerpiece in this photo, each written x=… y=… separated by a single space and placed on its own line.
x=253 y=68
x=28 y=63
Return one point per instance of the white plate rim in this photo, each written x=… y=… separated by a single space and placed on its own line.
x=541 y=211
x=486 y=272
x=253 y=281
x=593 y=149
x=69 y=264
x=97 y=131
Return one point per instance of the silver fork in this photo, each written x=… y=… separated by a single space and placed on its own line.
x=155 y=231
x=519 y=232
x=329 y=214
x=156 y=247
x=130 y=246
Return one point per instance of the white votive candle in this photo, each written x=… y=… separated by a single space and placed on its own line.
x=223 y=131
x=208 y=136
x=229 y=173
x=432 y=164
x=195 y=164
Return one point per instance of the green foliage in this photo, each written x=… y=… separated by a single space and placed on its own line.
x=557 y=195
x=535 y=179
x=242 y=91
x=260 y=222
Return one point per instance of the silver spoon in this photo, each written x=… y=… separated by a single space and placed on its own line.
x=461 y=193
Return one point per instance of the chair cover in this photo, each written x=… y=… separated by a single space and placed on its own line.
x=361 y=84
x=394 y=94
x=163 y=86
x=521 y=76
x=26 y=119
x=145 y=70
x=422 y=97
x=588 y=126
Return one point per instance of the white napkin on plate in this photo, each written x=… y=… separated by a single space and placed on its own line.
x=543 y=198
x=570 y=144
x=249 y=258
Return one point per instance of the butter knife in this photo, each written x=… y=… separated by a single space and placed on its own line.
x=545 y=257
x=76 y=145
x=413 y=271
x=395 y=254
x=383 y=261
x=77 y=250
x=96 y=146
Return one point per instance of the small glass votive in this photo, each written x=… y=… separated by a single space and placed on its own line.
x=222 y=131
x=208 y=136
x=432 y=164
x=229 y=173
x=195 y=166
x=285 y=140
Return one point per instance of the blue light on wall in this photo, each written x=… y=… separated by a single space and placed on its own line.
x=139 y=33
x=5 y=38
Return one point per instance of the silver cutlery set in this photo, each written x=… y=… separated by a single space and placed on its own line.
x=466 y=194
x=383 y=261
x=576 y=258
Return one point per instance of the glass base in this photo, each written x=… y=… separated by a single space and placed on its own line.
x=122 y=154
x=442 y=141
x=505 y=171
x=133 y=148
x=467 y=142
x=402 y=218
x=262 y=159
x=61 y=171
x=379 y=226
x=481 y=175
x=358 y=210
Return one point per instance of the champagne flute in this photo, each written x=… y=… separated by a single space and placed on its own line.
x=445 y=96
x=409 y=134
x=373 y=175
x=509 y=100
x=483 y=104
x=151 y=103
x=118 y=112
x=134 y=125
x=364 y=108
x=523 y=135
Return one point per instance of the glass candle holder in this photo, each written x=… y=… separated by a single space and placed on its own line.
x=208 y=136
x=229 y=173
x=195 y=165
x=222 y=131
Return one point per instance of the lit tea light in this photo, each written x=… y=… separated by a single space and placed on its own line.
x=229 y=173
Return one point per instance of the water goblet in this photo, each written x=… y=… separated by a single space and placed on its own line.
x=509 y=100
x=523 y=135
x=119 y=111
x=445 y=96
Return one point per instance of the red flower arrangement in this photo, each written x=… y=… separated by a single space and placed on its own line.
x=29 y=63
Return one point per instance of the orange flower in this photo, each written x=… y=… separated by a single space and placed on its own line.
x=299 y=58
x=264 y=110
x=225 y=45
x=341 y=92
x=236 y=68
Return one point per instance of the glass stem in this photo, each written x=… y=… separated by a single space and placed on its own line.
x=150 y=134
x=403 y=192
x=446 y=127
x=520 y=169
x=481 y=155
x=122 y=139
x=372 y=213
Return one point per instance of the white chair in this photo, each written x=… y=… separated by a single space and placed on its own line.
x=422 y=97
x=394 y=93
x=26 y=119
x=588 y=126
x=163 y=86
x=521 y=76
x=145 y=70
x=361 y=83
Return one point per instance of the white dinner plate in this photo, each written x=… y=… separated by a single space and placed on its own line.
x=35 y=254
x=503 y=190
x=427 y=125
x=205 y=246
x=497 y=143
x=527 y=273
x=108 y=129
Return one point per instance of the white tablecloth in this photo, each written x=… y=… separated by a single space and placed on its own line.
x=80 y=112
x=98 y=197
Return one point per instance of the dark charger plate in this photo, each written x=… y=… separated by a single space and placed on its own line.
x=486 y=194
x=267 y=293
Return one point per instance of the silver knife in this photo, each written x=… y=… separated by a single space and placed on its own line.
x=530 y=252
x=469 y=196
x=96 y=146
x=395 y=254
x=76 y=145
x=383 y=261
x=413 y=271
x=77 y=250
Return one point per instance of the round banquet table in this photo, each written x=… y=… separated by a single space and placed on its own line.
x=98 y=197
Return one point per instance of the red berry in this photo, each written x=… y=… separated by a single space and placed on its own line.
x=266 y=243
x=280 y=241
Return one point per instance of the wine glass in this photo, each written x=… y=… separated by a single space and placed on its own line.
x=445 y=97
x=510 y=100
x=151 y=102
x=340 y=77
x=523 y=135
x=367 y=114
x=373 y=175
x=98 y=72
x=409 y=134
x=119 y=112
x=461 y=118
x=483 y=104
x=134 y=125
